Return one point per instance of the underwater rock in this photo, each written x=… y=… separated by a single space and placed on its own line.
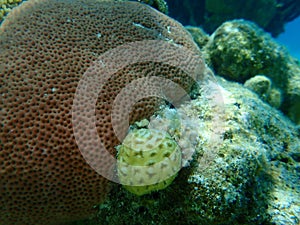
x=250 y=178
x=275 y=99
x=292 y=104
x=239 y=50
x=262 y=86
x=200 y=37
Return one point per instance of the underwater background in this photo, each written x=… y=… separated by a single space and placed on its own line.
x=84 y=142
x=291 y=37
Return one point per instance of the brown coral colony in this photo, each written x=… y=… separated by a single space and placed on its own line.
x=45 y=48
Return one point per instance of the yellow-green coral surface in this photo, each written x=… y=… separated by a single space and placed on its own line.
x=6 y=6
x=148 y=160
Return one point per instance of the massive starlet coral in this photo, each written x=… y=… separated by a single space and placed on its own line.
x=45 y=48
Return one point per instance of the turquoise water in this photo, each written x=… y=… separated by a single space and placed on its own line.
x=291 y=37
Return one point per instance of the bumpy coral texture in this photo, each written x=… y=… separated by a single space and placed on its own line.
x=149 y=160
x=45 y=48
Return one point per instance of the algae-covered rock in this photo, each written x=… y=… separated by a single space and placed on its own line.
x=262 y=86
x=239 y=50
x=199 y=35
x=259 y=84
x=250 y=177
x=292 y=104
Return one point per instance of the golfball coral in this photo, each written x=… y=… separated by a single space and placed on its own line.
x=148 y=160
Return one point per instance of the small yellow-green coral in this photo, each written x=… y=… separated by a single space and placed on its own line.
x=148 y=160
x=6 y=6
